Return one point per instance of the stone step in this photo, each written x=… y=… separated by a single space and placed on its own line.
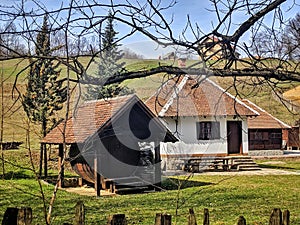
x=244 y=164
x=246 y=167
x=121 y=190
x=249 y=169
x=126 y=184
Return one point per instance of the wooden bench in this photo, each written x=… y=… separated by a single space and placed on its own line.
x=206 y=163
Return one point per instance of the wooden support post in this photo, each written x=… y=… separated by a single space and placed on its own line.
x=286 y=217
x=157 y=162
x=45 y=161
x=192 y=217
x=79 y=214
x=15 y=216
x=98 y=184
x=41 y=160
x=276 y=217
x=206 y=217
x=163 y=219
x=118 y=219
x=80 y=181
x=241 y=221
x=60 y=166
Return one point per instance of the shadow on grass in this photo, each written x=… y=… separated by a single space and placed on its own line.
x=276 y=167
x=174 y=183
x=18 y=175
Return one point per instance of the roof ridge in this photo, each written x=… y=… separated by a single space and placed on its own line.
x=175 y=93
x=261 y=109
x=231 y=96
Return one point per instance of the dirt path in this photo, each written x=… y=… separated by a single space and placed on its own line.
x=262 y=172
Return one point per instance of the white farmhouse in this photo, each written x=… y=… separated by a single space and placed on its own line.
x=206 y=119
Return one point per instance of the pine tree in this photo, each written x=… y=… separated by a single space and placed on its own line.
x=109 y=65
x=44 y=95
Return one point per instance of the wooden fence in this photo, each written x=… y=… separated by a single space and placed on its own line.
x=23 y=216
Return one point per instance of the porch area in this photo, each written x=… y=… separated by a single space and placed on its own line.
x=218 y=163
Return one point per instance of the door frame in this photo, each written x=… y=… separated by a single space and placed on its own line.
x=234 y=146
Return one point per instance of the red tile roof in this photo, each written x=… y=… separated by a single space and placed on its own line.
x=179 y=97
x=265 y=120
x=87 y=119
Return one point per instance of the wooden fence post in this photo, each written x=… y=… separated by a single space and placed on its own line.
x=79 y=214
x=286 y=217
x=25 y=216
x=117 y=219
x=15 y=216
x=163 y=219
x=10 y=216
x=192 y=217
x=206 y=217
x=241 y=221
x=276 y=217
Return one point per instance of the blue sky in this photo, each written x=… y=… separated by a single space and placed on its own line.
x=197 y=9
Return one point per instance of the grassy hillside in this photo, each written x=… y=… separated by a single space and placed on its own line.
x=293 y=94
x=15 y=123
x=227 y=197
x=260 y=93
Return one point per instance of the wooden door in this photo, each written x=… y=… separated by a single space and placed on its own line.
x=234 y=137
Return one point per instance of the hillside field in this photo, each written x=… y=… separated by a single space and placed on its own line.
x=16 y=124
x=293 y=95
x=226 y=197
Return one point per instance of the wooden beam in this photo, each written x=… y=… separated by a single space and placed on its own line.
x=45 y=161
x=157 y=164
x=60 y=166
x=97 y=176
x=41 y=161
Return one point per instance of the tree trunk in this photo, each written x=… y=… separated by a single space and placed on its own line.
x=41 y=160
x=44 y=127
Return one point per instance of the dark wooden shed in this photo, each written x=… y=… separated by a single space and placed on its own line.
x=265 y=132
x=114 y=140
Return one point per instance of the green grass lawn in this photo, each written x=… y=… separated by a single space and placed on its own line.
x=226 y=197
x=286 y=164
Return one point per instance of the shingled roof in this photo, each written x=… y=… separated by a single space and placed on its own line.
x=87 y=119
x=265 y=120
x=180 y=97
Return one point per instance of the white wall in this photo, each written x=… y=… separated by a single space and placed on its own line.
x=186 y=132
x=245 y=136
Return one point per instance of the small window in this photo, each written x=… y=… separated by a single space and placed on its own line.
x=208 y=130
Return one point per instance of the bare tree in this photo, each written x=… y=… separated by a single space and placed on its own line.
x=148 y=18
x=291 y=38
x=78 y=21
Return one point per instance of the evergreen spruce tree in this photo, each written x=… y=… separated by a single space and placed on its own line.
x=109 y=65
x=44 y=95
